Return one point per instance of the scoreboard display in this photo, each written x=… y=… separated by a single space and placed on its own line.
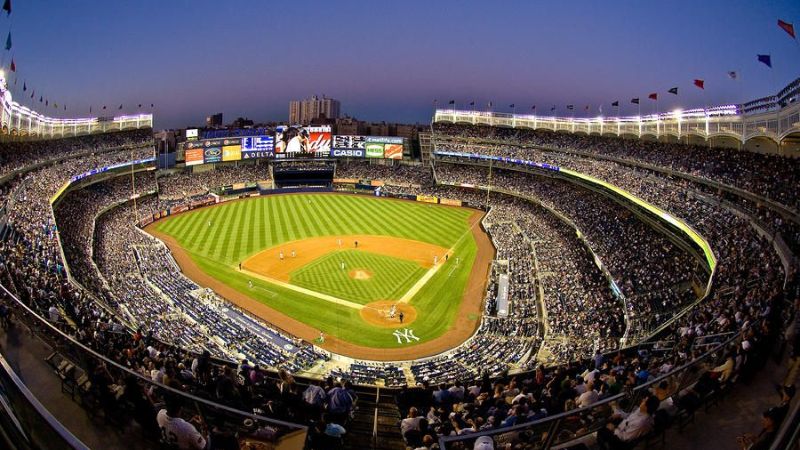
x=293 y=142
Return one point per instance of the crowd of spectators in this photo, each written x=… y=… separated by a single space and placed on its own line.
x=184 y=184
x=763 y=175
x=395 y=174
x=464 y=391
x=370 y=373
x=772 y=176
x=653 y=273
x=16 y=155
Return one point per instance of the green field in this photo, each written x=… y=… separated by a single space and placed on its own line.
x=391 y=277
x=218 y=238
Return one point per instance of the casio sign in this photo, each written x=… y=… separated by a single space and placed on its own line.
x=353 y=153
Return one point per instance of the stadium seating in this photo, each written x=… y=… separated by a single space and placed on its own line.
x=82 y=264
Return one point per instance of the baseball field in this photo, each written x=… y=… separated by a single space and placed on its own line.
x=376 y=278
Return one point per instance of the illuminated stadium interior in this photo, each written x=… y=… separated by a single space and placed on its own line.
x=612 y=273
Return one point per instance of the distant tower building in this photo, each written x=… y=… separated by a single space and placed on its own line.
x=214 y=120
x=302 y=112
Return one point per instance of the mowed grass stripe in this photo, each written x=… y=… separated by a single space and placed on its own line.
x=330 y=211
x=237 y=237
x=357 y=215
x=300 y=214
x=316 y=227
x=222 y=227
x=272 y=222
x=207 y=236
x=288 y=228
x=325 y=213
x=232 y=226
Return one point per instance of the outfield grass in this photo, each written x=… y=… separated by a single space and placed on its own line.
x=217 y=238
x=391 y=277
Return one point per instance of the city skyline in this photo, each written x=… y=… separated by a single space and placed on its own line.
x=192 y=59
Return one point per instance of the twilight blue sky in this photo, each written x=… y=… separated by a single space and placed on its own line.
x=388 y=60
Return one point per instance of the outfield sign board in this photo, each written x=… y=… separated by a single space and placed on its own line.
x=348 y=152
x=374 y=150
x=212 y=155
x=194 y=156
x=258 y=147
x=390 y=147
x=232 y=153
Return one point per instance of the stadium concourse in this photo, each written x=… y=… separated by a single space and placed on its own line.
x=605 y=304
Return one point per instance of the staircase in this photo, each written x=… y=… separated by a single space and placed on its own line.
x=376 y=424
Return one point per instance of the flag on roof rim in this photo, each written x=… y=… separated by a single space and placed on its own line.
x=787 y=27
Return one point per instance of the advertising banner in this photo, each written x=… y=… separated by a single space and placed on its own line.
x=348 y=152
x=385 y=139
x=205 y=143
x=252 y=154
x=232 y=153
x=212 y=155
x=349 y=141
x=450 y=201
x=427 y=199
x=374 y=150
x=194 y=156
x=192 y=134
x=393 y=151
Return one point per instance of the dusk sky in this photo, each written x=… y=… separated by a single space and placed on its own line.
x=390 y=60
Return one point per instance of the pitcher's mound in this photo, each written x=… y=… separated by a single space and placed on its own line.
x=360 y=274
x=379 y=314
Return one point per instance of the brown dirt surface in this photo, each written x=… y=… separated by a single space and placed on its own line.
x=269 y=263
x=377 y=313
x=360 y=274
x=465 y=324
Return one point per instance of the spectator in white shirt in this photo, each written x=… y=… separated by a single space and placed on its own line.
x=178 y=432
x=632 y=427
x=589 y=397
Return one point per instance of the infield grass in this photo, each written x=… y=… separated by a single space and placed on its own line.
x=389 y=278
x=217 y=238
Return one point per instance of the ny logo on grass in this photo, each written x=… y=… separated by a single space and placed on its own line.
x=405 y=333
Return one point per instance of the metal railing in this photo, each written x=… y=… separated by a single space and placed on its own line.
x=84 y=360
x=579 y=423
x=25 y=421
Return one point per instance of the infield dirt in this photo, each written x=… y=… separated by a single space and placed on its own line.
x=270 y=264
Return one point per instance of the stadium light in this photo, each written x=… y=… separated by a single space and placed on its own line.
x=678 y=113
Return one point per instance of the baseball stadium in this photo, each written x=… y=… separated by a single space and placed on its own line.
x=452 y=274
